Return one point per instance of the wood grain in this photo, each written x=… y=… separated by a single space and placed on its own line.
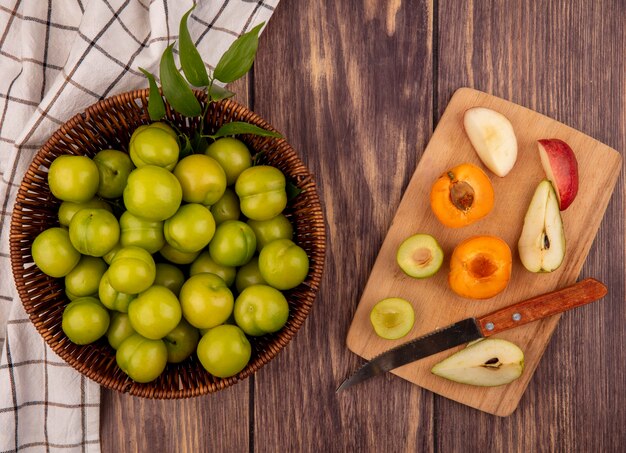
x=356 y=104
x=435 y=304
x=564 y=59
x=217 y=422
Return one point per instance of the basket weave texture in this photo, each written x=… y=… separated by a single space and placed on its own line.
x=109 y=124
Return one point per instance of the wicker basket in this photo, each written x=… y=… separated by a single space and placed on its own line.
x=109 y=124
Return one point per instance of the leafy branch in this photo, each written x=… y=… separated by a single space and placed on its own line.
x=175 y=84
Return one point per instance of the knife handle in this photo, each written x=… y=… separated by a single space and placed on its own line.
x=539 y=307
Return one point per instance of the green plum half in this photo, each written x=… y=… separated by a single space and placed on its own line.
x=420 y=256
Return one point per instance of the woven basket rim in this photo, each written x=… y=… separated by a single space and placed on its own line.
x=80 y=358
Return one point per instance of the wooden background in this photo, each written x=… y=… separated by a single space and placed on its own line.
x=357 y=88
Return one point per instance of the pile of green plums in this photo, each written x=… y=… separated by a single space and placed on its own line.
x=194 y=262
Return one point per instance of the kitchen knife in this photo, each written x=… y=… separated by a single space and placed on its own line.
x=533 y=309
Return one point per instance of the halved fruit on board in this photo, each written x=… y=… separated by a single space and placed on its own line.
x=486 y=363
x=480 y=267
x=420 y=256
x=392 y=318
x=493 y=138
x=561 y=167
x=542 y=242
x=461 y=196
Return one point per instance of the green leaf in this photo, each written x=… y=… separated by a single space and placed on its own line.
x=239 y=57
x=217 y=93
x=156 y=106
x=190 y=58
x=198 y=143
x=292 y=190
x=239 y=127
x=186 y=149
x=175 y=87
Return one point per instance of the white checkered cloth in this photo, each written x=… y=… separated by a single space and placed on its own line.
x=57 y=58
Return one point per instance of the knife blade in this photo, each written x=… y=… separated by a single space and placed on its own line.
x=529 y=310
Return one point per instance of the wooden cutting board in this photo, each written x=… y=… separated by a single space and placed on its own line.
x=434 y=303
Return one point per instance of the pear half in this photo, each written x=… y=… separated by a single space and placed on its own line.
x=485 y=363
x=542 y=242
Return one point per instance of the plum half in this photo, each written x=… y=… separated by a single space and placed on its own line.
x=420 y=256
x=392 y=318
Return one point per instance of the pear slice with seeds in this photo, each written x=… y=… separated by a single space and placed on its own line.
x=486 y=363
x=542 y=242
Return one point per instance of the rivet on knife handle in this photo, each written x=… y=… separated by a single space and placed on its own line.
x=540 y=307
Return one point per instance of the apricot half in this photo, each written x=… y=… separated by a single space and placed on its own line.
x=480 y=267
x=461 y=196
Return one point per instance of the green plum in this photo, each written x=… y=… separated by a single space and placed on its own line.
x=233 y=243
x=142 y=359
x=155 y=312
x=119 y=329
x=202 y=179
x=54 y=253
x=112 y=298
x=233 y=156
x=181 y=342
x=226 y=208
x=176 y=256
x=206 y=300
x=132 y=270
x=169 y=276
x=85 y=320
x=262 y=192
x=84 y=279
x=69 y=208
x=94 y=232
x=261 y=309
x=190 y=229
x=204 y=263
x=283 y=264
x=266 y=231
x=154 y=146
x=113 y=168
x=73 y=178
x=153 y=193
x=248 y=275
x=108 y=257
x=140 y=232
x=224 y=351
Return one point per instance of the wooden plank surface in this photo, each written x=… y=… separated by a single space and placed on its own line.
x=216 y=422
x=352 y=85
x=435 y=304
